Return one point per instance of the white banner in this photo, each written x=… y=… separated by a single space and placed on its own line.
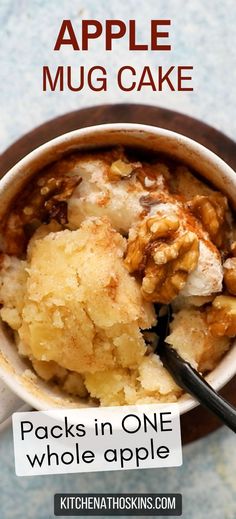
x=97 y=439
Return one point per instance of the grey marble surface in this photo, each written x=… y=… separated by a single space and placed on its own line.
x=206 y=480
x=202 y=35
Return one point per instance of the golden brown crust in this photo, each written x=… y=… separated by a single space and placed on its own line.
x=191 y=337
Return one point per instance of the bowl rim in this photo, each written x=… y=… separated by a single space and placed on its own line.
x=118 y=127
x=218 y=380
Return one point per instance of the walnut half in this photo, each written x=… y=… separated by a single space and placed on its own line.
x=150 y=230
x=163 y=259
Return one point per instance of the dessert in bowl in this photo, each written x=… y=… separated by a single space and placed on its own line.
x=101 y=227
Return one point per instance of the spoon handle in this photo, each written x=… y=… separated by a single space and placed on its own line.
x=192 y=382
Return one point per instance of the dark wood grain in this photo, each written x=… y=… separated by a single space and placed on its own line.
x=198 y=422
x=214 y=140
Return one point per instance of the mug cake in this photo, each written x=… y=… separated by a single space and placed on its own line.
x=92 y=248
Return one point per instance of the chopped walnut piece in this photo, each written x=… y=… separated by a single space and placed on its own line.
x=47 y=200
x=233 y=249
x=168 y=267
x=230 y=275
x=221 y=316
x=14 y=237
x=165 y=266
x=212 y=211
x=120 y=169
x=150 y=230
x=57 y=192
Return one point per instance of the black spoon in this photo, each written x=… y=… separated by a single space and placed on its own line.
x=187 y=377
